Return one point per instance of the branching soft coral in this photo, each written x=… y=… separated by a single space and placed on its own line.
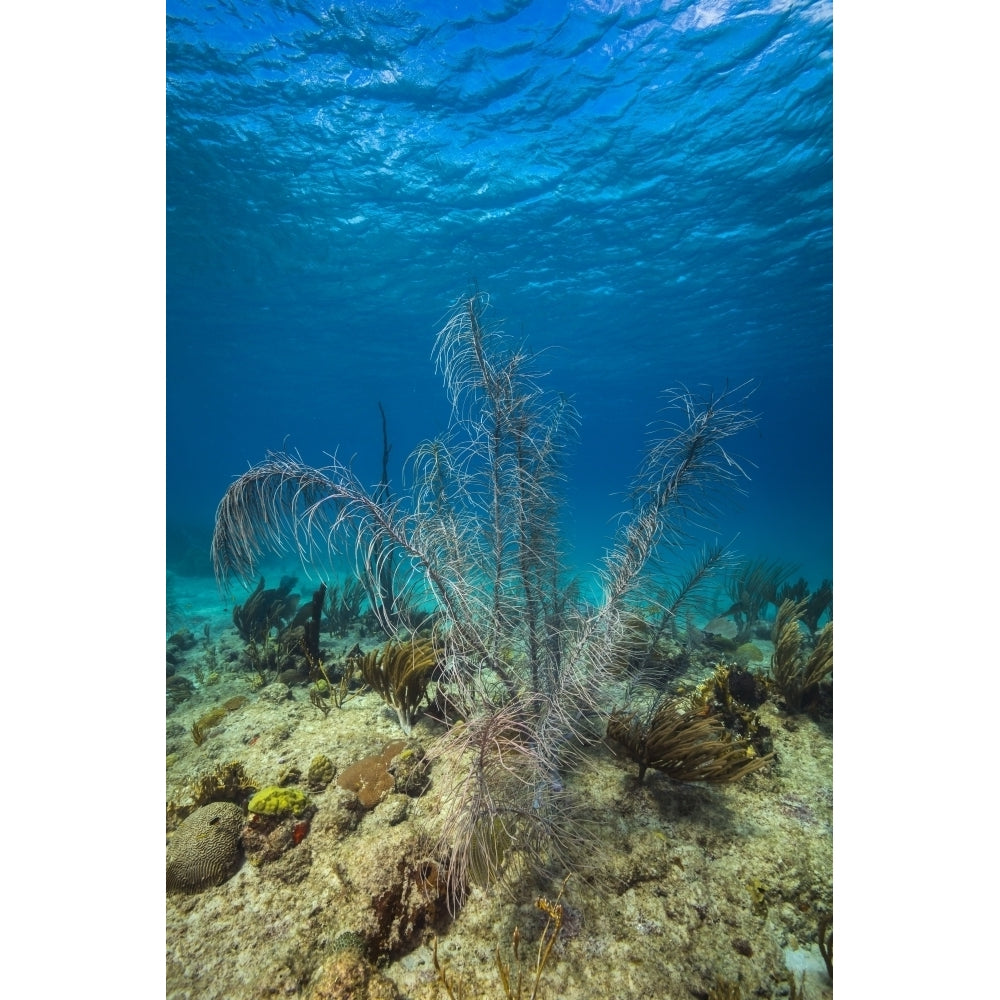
x=398 y=672
x=684 y=744
x=794 y=673
x=476 y=544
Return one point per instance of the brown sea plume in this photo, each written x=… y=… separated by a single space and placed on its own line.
x=683 y=743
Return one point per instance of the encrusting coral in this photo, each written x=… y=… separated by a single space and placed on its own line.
x=277 y=801
x=370 y=778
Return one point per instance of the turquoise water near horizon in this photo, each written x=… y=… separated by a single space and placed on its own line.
x=644 y=190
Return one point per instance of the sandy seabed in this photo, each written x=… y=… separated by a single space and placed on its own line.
x=702 y=888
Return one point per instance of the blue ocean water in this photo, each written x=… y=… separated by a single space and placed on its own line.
x=644 y=190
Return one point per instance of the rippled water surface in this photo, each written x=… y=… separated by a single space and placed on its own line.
x=644 y=189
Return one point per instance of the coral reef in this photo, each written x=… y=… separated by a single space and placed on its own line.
x=731 y=694
x=818 y=603
x=310 y=620
x=667 y=896
x=403 y=889
x=279 y=819
x=748 y=653
x=463 y=572
x=813 y=605
x=515 y=975
x=268 y=838
x=179 y=689
x=412 y=902
x=204 y=850
x=180 y=642
x=281 y=636
x=411 y=770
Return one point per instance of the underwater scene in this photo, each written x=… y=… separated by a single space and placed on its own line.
x=499 y=545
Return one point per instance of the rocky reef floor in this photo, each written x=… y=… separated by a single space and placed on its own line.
x=695 y=891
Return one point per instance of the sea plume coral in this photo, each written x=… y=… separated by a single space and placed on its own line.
x=684 y=743
x=398 y=673
x=796 y=674
x=476 y=543
x=509 y=804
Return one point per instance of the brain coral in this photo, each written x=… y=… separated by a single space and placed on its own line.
x=205 y=850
